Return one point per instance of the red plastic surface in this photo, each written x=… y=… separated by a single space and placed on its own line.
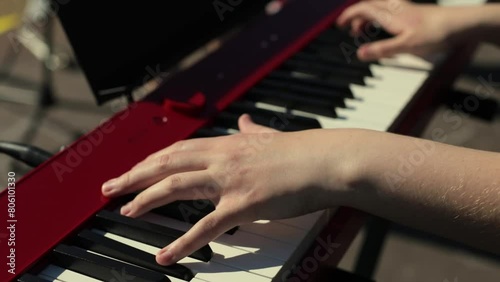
x=65 y=191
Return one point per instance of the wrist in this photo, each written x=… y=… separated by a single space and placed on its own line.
x=347 y=163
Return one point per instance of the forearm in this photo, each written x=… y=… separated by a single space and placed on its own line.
x=478 y=23
x=447 y=190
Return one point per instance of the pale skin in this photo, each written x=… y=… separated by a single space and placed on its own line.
x=261 y=173
x=420 y=29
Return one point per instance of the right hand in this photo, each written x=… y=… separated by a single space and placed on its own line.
x=417 y=29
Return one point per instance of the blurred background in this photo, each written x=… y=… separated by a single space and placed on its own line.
x=46 y=101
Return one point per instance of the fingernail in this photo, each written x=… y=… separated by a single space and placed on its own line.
x=108 y=186
x=165 y=256
x=126 y=209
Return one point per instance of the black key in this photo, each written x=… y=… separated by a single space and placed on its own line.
x=101 y=268
x=302 y=89
x=188 y=211
x=145 y=232
x=324 y=71
x=31 y=278
x=333 y=36
x=334 y=59
x=337 y=61
x=340 y=86
x=303 y=70
x=92 y=241
x=279 y=122
x=209 y=132
x=276 y=120
x=315 y=105
x=226 y=119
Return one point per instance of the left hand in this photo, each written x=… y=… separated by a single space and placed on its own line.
x=257 y=174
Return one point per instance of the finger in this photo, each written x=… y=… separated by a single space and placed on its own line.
x=382 y=48
x=246 y=125
x=176 y=187
x=152 y=171
x=357 y=26
x=202 y=233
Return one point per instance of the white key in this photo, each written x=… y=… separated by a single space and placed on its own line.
x=385 y=96
x=242 y=240
x=49 y=278
x=212 y=271
x=65 y=274
x=305 y=222
x=226 y=254
x=276 y=231
x=407 y=61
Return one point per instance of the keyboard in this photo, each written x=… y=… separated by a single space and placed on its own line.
x=292 y=80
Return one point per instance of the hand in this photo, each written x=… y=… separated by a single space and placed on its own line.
x=417 y=29
x=257 y=174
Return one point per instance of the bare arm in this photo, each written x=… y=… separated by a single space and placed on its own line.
x=420 y=29
x=486 y=20
x=264 y=174
x=446 y=190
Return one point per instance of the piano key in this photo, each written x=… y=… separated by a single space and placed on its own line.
x=52 y=271
x=323 y=70
x=295 y=101
x=408 y=61
x=303 y=222
x=101 y=268
x=268 y=247
x=211 y=271
x=326 y=55
x=279 y=121
x=188 y=211
x=276 y=231
x=378 y=103
x=344 y=54
x=303 y=89
x=340 y=85
x=332 y=37
x=249 y=242
x=229 y=255
x=97 y=243
x=334 y=60
x=394 y=89
x=156 y=235
x=31 y=278
x=327 y=122
x=57 y=273
x=49 y=278
x=345 y=121
x=209 y=132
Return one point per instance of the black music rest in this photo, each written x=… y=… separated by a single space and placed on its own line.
x=122 y=45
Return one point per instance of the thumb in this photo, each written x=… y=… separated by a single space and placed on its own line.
x=382 y=48
x=246 y=125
